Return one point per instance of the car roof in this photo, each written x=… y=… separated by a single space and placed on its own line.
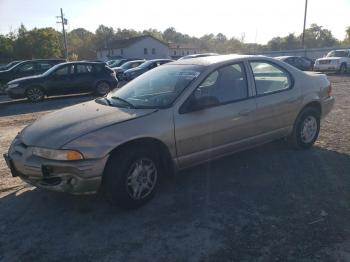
x=210 y=60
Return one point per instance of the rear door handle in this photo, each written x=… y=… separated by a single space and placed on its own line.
x=245 y=112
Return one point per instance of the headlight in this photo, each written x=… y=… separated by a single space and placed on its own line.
x=57 y=154
x=12 y=85
x=335 y=62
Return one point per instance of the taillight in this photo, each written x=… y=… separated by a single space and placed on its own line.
x=329 y=90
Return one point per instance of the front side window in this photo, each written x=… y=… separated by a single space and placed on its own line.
x=226 y=84
x=269 y=78
x=63 y=71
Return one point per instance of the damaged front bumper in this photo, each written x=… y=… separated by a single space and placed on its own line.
x=75 y=177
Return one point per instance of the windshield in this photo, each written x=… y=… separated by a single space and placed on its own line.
x=114 y=63
x=338 y=54
x=146 y=64
x=157 y=88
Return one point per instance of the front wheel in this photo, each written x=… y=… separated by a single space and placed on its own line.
x=35 y=94
x=343 y=69
x=131 y=177
x=306 y=129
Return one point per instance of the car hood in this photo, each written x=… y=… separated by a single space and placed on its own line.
x=56 y=129
x=25 y=79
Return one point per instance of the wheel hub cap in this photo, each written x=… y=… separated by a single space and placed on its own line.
x=142 y=178
x=309 y=129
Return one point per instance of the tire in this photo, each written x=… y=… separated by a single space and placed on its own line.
x=102 y=88
x=35 y=94
x=306 y=129
x=343 y=69
x=126 y=175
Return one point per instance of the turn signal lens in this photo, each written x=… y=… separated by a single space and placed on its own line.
x=74 y=155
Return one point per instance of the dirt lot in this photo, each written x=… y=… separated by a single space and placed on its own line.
x=266 y=204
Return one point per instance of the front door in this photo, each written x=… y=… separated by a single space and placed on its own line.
x=59 y=82
x=225 y=119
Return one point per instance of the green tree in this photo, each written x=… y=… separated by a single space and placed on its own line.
x=81 y=43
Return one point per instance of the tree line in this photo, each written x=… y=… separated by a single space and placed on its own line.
x=82 y=44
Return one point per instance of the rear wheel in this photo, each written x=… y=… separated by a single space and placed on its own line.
x=306 y=129
x=35 y=94
x=102 y=88
x=131 y=177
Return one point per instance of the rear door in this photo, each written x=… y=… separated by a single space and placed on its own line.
x=218 y=128
x=83 y=78
x=277 y=97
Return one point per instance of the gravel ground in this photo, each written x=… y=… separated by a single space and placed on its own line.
x=266 y=204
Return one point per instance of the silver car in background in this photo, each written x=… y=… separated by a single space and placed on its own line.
x=173 y=117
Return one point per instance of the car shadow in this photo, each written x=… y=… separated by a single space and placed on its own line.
x=268 y=202
x=51 y=103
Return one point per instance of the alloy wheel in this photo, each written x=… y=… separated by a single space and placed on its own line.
x=309 y=129
x=141 y=179
x=35 y=94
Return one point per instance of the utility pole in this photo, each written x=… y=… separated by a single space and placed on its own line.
x=302 y=42
x=63 y=22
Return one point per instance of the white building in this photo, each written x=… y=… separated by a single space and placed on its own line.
x=147 y=47
x=178 y=50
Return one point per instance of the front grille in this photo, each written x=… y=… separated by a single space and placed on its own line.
x=324 y=62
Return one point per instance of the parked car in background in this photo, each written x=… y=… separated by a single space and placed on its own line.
x=144 y=67
x=120 y=62
x=197 y=55
x=9 y=65
x=335 y=61
x=297 y=61
x=27 y=68
x=65 y=78
x=170 y=118
x=128 y=65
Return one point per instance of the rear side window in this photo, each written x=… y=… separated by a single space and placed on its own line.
x=269 y=78
x=84 y=69
x=226 y=84
x=44 y=65
x=26 y=67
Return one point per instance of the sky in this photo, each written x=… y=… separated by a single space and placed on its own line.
x=258 y=21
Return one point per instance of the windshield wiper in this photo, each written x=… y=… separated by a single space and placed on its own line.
x=124 y=101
